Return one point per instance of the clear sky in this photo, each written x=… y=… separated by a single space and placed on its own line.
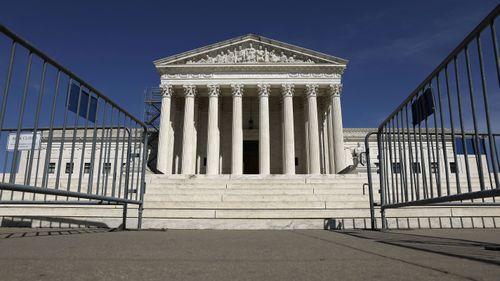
x=391 y=45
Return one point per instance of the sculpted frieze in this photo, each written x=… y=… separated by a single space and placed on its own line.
x=250 y=54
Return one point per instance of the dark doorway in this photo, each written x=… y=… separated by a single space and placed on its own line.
x=250 y=157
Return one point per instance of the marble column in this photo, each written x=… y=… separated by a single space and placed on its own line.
x=338 y=130
x=314 y=151
x=306 y=138
x=331 y=142
x=264 y=141
x=237 y=131
x=325 y=150
x=213 y=130
x=188 y=148
x=288 y=130
x=163 y=157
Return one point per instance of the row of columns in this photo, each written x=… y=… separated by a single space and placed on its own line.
x=335 y=130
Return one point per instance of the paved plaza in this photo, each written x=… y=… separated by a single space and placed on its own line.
x=102 y=254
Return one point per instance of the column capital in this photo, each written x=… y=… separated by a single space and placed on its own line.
x=312 y=90
x=335 y=90
x=166 y=90
x=237 y=90
x=287 y=90
x=189 y=90
x=213 y=90
x=264 y=90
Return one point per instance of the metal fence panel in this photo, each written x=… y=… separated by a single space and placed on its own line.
x=61 y=140
x=441 y=144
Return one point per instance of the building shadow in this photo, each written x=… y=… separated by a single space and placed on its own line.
x=452 y=247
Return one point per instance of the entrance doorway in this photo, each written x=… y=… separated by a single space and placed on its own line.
x=251 y=157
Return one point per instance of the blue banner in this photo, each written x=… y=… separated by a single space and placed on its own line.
x=423 y=107
x=84 y=103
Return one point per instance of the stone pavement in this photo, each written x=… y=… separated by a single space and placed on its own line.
x=85 y=254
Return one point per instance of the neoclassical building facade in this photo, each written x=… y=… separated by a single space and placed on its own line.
x=251 y=105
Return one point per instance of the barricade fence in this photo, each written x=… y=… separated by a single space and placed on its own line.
x=61 y=140
x=442 y=143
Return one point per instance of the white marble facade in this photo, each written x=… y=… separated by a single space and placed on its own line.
x=251 y=105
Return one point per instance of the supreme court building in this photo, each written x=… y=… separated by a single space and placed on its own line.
x=248 y=105
x=251 y=105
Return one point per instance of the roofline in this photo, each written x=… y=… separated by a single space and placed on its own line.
x=248 y=37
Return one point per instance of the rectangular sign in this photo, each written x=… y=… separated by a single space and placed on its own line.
x=86 y=106
x=423 y=107
x=25 y=141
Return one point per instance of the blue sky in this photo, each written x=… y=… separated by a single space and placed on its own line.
x=391 y=45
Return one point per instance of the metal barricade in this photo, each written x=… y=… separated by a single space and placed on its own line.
x=63 y=142
x=441 y=143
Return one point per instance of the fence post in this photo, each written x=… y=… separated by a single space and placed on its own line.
x=143 y=180
x=124 y=218
x=382 y=180
x=370 y=182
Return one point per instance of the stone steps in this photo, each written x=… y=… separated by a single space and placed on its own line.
x=253 y=202
x=259 y=197
x=255 y=213
x=251 y=179
x=235 y=224
x=224 y=185
x=252 y=191
x=62 y=211
x=217 y=205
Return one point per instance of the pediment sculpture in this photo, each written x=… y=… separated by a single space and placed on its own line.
x=249 y=54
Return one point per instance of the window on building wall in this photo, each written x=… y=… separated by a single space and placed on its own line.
x=470 y=146
x=52 y=168
x=377 y=165
x=86 y=168
x=69 y=168
x=415 y=167
x=434 y=167
x=396 y=168
x=453 y=167
x=106 y=168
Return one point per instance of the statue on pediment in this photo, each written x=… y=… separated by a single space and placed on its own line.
x=249 y=54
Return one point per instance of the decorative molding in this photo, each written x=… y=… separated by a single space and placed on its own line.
x=335 y=89
x=312 y=90
x=166 y=90
x=188 y=76
x=287 y=90
x=213 y=90
x=250 y=54
x=189 y=90
x=314 y=75
x=237 y=90
x=264 y=90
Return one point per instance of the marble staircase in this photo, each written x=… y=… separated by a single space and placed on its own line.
x=254 y=202
x=251 y=202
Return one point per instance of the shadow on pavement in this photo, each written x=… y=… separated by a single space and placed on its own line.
x=459 y=248
x=51 y=232
x=54 y=222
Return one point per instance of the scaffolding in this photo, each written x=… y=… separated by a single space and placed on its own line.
x=152 y=110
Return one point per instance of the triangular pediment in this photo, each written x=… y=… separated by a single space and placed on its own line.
x=250 y=50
